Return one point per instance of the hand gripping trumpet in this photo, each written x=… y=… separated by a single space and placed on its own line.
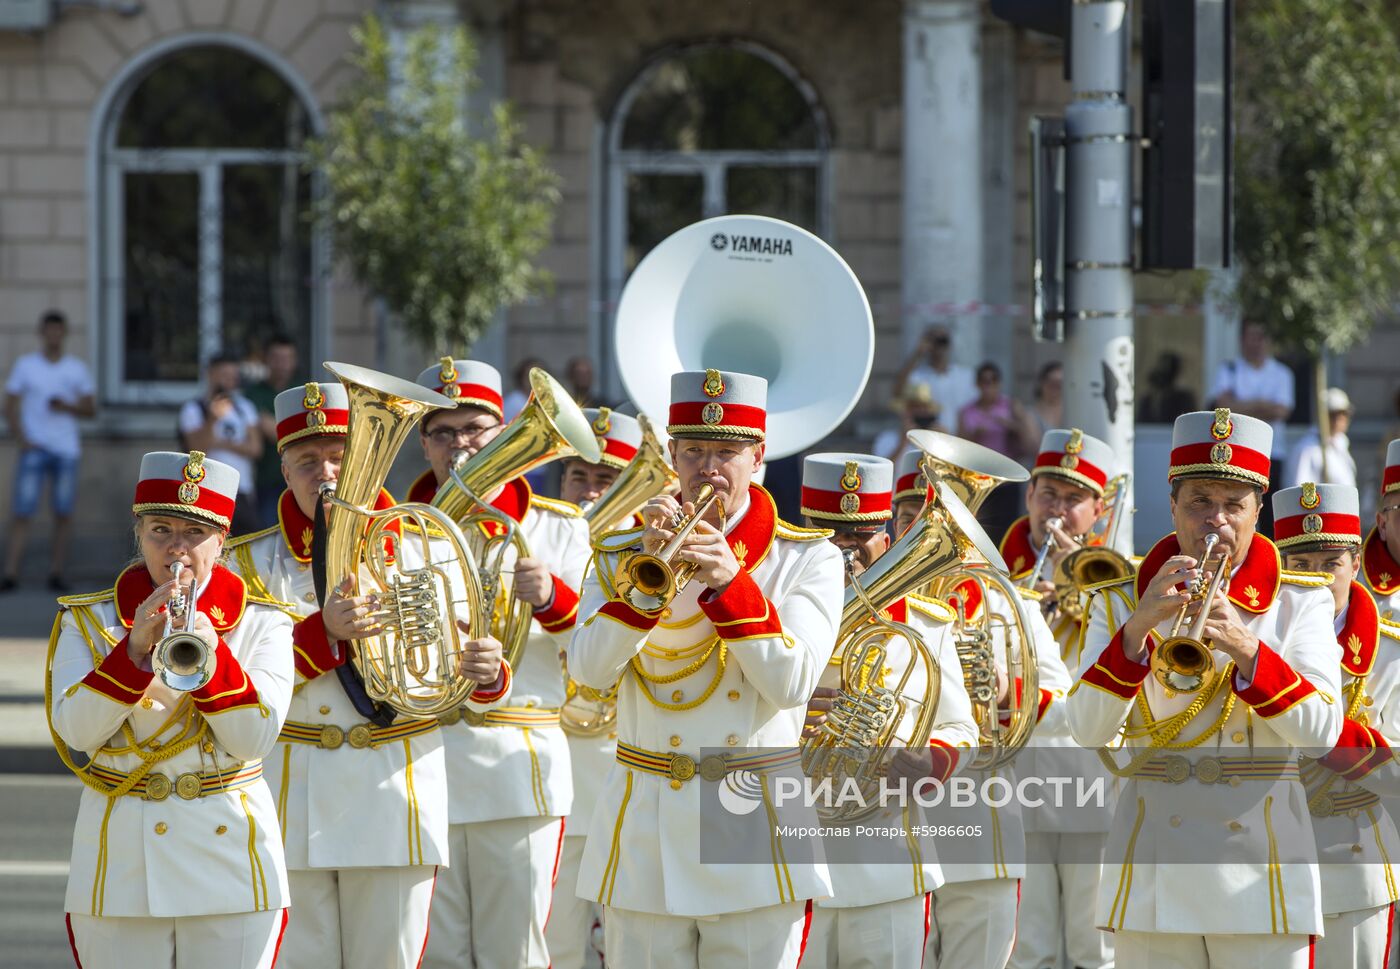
x=1186 y=663
x=648 y=582
x=1029 y=582
x=1098 y=561
x=182 y=659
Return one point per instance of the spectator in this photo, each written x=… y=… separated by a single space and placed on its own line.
x=1307 y=456
x=1049 y=408
x=280 y=362
x=1164 y=401
x=1391 y=432
x=996 y=421
x=916 y=409
x=579 y=374
x=517 y=396
x=224 y=425
x=1257 y=384
x=47 y=392
x=949 y=384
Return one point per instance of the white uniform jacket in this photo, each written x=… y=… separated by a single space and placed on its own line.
x=1228 y=805
x=343 y=803
x=954 y=734
x=198 y=833
x=1000 y=850
x=516 y=765
x=1357 y=842
x=762 y=645
x=1380 y=574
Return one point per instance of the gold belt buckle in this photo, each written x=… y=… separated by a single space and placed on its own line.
x=473 y=718
x=682 y=767
x=188 y=786
x=713 y=768
x=1178 y=768
x=1323 y=806
x=157 y=787
x=332 y=736
x=361 y=736
x=451 y=717
x=1209 y=770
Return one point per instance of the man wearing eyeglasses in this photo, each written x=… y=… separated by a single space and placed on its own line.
x=1380 y=555
x=508 y=776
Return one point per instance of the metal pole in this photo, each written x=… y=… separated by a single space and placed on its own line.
x=1098 y=232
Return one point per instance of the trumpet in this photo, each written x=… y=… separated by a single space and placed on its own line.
x=1186 y=663
x=647 y=475
x=182 y=659
x=1030 y=580
x=648 y=582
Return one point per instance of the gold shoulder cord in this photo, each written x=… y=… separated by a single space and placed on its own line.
x=1165 y=731
x=1357 y=688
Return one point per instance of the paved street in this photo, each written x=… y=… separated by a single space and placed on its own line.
x=38 y=812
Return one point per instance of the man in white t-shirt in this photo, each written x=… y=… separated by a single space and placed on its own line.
x=931 y=366
x=1307 y=456
x=47 y=392
x=224 y=425
x=1257 y=384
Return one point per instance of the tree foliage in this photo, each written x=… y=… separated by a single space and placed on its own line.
x=439 y=215
x=1317 y=188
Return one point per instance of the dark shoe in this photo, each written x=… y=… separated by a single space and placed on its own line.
x=8 y=583
x=57 y=584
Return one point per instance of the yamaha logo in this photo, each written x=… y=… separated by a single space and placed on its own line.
x=752 y=245
x=719 y=242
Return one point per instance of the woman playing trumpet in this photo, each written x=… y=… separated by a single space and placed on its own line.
x=177 y=859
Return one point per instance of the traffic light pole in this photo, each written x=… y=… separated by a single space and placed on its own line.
x=1099 y=234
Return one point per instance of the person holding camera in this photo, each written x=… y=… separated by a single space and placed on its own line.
x=917 y=409
x=224 y=425
x=931 y=367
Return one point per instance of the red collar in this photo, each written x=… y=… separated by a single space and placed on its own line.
x=970 y=592
x=1381 y=571
x=1253 y=588
x=222 y=599
x=514 y=501
x=1361 y=632
x=753 y=536
x=1018 y=549
x=897 y=611
x=297 y=529
x=423 y=489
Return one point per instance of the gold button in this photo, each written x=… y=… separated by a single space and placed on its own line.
x=733 y=694
x=208 y=746
x=677 y=696
x=162 y=827
x=309 y=597
x=1368 y=701
x=1237 y=736
x=676 y=785
x=1356 y=849
x=675 y=740
x=529 y=703
x=1234 y=782
x=666 y=613
x=732 y=740
x=147 y=703
x=1236 y=826
x=1175 y=821
x=325 y=710
x=612 y=734
x=221 y=829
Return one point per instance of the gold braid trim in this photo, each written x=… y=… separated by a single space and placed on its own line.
x=1165 y=731
x=187 y=511
x=1225 y=471
x=643 y=677
x=1356 y=691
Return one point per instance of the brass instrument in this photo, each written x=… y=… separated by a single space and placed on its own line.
x=647 y=475
x=550 y=427
x=1186 y=663
x=587 y=712
x=972 y=471
x=182 y=659
x=1029 y=582
x=867 y=722
x=648 y=582
x=412 y=664
x=1099 y=560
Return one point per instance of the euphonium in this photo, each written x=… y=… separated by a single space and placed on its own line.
x=411 y=665
x=648 y=582
x=1186 y=663
x=550 y=427
x=182 y=659
x=647 y=475
x=972 y=471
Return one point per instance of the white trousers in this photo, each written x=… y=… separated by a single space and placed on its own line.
x=1057 y=905
x=973 y=924
x=1171 y=950
x=574 y=933
x=763 y=938
x=1355 y=940
x=243 y=941
x=358 y=918
x=890 y=935
x=492 y=901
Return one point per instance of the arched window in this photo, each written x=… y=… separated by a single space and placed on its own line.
x=206 y=240
x=710 y=130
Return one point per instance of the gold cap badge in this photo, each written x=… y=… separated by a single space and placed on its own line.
x=448 y=375
x=712 y=413
x=850 y=481
x=194 y=473
x=603 y=423
x=714 y=383
x=1075 y=444
x=850 y=503
x=1309 y=498
x=1221 y=453
x=1312 y=524
x=1223 y=426
x=313 y=397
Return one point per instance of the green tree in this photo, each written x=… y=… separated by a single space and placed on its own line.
x=440 y=215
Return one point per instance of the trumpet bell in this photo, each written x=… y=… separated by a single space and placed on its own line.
x=183 y=662
x=1183 y=665
x=647 y=475
x=1085 y=567
x=756 y=295
x=647 y=584
x=971 y=470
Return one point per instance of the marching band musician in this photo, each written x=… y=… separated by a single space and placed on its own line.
x=1317 y=528
x=1211 y=860
x=974 y=912
x=878 y=915
x=1063 y=501
x=176 y=860
x=730 y=663
x=509 y=786
x=1380 y=555
x=570 y=933
x=363 y=806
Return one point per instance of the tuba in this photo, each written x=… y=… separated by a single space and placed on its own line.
x=971 y=472
x=182 y=659
x=412 y=664
x=1098 y=561
x=870 y=721
x=550 y=427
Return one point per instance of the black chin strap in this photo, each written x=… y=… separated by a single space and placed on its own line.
x=350 y=681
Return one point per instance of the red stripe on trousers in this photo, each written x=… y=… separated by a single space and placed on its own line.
x=806 y=930
x=1312 y=951
x=277 y=949
x=553 y=881
x=928 y=925
x=1389 y=928
x=428 y=928
x=72 y=942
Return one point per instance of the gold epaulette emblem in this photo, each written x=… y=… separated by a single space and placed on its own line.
x=1253 y=595
x=306 y=536
x=194 y=473
x=217 y=614
x=741 y=552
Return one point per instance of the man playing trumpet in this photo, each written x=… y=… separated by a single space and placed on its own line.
x=728 y=664
x=1210 y=861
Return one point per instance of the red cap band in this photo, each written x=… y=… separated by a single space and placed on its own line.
x=336 y=423
x=164 y=492
x=618 y=449
x=1242 y=459
x=1052 y=461
x=827 y=504
x=1391 y=480
x=467 y=393
x=736 y=418
x=1332 y=524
